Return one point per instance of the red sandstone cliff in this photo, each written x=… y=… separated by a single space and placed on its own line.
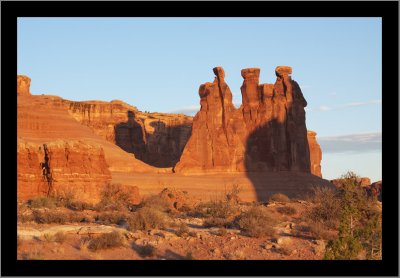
x=267 y=133
x=155 y=138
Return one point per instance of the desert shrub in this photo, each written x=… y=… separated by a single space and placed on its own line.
x=113 y=197
x=147 y=250
x=222 y=232
x=64 y=197
x=147 y=218
x=42 y=202
x=156 y=202
x=58 y=217
x=279 y=197
x=60 y=237
x=106 y=241
x=233 y=194
x=217 y=222
x=287 y=210
x=115 y=217
x=182 y=230
x=217 y=209
x=192 y=234
x=256 y=222
x=319 y=230
x=328 y=207
x=80 y=206
x=49 y=217
x=48 y=237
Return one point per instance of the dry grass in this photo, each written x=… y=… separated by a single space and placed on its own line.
x=257 y=222
x=106 y=241
x=279 y=197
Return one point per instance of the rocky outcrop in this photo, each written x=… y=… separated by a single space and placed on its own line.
x=315 y=154
x=267 y=133
x=155 y=138
x=69 y=163
x=23 y=85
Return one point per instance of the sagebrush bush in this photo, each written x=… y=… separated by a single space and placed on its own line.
x=106 y=241
x=328 y=206
x=147 y=218
x=156 y=202
x=287 y=210
x=279 y=197
x=60 y=237
x=257 y=222
x=111 y=217
x=182 y=230
x=147 y=250
x=42 y=202
x=113 y=197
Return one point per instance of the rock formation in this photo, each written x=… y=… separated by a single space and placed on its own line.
x=315 y=154
x=155 y=138
x=70 y=162
x=267 y=133
x=23 y=85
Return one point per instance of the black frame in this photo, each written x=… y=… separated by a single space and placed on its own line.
x=387 y=10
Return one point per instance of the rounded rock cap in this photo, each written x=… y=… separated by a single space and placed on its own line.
x=283 y=70
x=219 y=72
x=311 y=133
x=250 y=73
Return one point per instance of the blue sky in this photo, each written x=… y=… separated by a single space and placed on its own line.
x=158 y=64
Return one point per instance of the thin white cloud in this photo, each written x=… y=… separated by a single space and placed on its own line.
x=354 y=104
x=356 y=143
x=189 y=110
x=325 y=108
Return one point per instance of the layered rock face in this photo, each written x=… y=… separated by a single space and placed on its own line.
x=155 y=138
x=315 y=154
x=267 y=133
x=70 y=162
x=23 y=85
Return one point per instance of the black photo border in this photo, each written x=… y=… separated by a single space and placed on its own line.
x=388 y=11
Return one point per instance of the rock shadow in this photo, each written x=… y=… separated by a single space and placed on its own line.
x=161 y=148
x=277 y=160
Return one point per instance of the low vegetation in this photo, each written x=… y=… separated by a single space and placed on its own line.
x=287 y=210
x=106 y=241
x=257 y=222
x=279 y=197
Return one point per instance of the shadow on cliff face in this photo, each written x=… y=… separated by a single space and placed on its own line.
x=161 y=148
x=277 y=160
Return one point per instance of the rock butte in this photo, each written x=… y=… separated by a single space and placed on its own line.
x=267 y=133
x=90 y=140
